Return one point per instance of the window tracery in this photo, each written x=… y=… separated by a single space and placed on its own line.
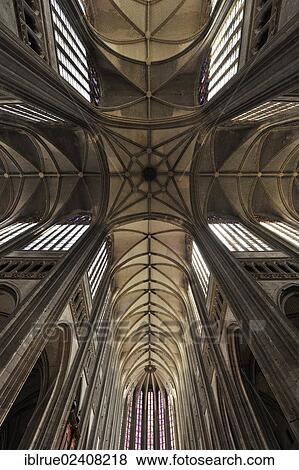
x=201 y=269
x=283 y=230
x=12 y=231
x=236 y=237
x=225 y=49
x=58 y=237
x=97 y=269
x=71 y=52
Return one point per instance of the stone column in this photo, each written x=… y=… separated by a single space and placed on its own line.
x=273 y=343
x=100 y=318
x=216 y=422
x=134 y=420
x=23 y=338
x=247 y=436
x=100 y=419
x=50 y=435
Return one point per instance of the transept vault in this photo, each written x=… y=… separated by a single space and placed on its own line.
x=149 y=161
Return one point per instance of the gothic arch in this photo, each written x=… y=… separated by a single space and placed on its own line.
x=20 y=417
x=263 y=411
x=31 y=411
x=247 y=172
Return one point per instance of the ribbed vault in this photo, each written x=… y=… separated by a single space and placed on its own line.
x=250 y=173
x=51 y=172
x=151 y=55
x=149 y=171
x=149 y=304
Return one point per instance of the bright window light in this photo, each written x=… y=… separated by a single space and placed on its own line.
x=213 y=5
x=236 y=237
x=97 y=268
x=267 y=110
x=13 y=231
x=139 y=421
x=71 y=52
x=29 y=113
x=225 y=49
x=82 y=5
x=200 y=268
x=59 y=237
x=283 y=230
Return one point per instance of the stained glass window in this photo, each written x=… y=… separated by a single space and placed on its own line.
x=150 y=420
x=139 y=421
x=161 y=421
x=171 y=423
x=128 y=424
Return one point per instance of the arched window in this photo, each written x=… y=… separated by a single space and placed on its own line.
x=149 y=418
x=139 y=414
x=289 y=302
x=129 y=422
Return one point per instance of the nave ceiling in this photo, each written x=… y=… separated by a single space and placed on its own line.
x=152 y=55
x=148 y=178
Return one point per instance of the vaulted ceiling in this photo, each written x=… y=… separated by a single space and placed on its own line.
x=149 y=55
x=148 y=168
x=149 y=58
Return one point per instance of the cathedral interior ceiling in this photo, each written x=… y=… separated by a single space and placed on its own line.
x=150 y=281
x=42 y=173
x=260 y=166
x=150 y=53
x=153 y=55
